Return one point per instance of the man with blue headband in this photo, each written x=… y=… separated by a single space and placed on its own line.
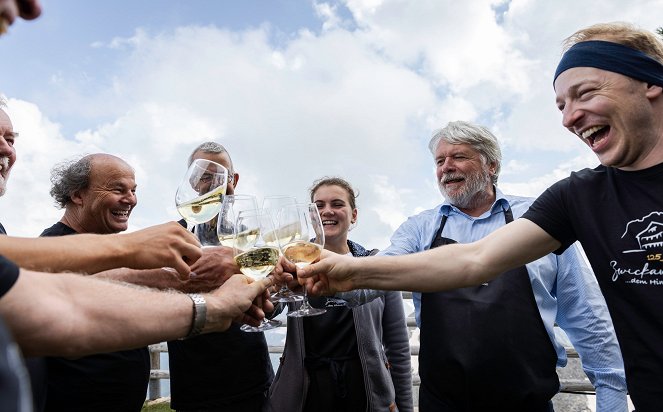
x=609 y=88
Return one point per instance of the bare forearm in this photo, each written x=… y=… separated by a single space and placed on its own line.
x=458 y=265
x=168 y=244
x=163 y=278
x=73 y=315
x=81 y=253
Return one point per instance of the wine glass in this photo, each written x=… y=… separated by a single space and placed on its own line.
x=273 y=205
x=200 y=194
x=255 y=256
x=231 y=207
x=276 y=202
x=303 y=237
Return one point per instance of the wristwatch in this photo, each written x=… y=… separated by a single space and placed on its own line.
x=199 y=314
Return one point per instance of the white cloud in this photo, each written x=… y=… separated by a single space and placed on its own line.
x=357 y=100
x=27 y=207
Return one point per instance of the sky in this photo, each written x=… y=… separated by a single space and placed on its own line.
x=295 y=90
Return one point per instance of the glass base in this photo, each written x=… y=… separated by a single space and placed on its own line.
x=265 y=325
x=306 y=310
x=285 y=295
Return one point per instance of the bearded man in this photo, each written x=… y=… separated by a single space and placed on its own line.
x=492 y=347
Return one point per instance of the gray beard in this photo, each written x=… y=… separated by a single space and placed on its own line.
x=474 y=191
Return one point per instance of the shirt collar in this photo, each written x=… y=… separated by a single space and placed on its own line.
x=501 y=204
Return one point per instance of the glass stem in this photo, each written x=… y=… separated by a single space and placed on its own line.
x=305 y=301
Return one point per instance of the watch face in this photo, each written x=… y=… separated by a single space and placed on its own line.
x=199 y=314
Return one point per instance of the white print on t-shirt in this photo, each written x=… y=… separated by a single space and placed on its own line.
x=651 y=237
x=646 y=235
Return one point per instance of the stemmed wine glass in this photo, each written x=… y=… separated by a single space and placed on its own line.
x=302 y=239
x=230 y=209
x=273 y=205
x=255 y=256
x=199 y=195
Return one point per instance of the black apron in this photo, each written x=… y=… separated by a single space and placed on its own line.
x=485 y=346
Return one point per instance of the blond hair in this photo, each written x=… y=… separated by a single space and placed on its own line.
x=626 y=34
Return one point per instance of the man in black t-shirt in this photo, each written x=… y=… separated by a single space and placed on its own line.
x=98 y=193
x=609 y=88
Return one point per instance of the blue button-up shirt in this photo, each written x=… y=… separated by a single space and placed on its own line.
x=564 y=286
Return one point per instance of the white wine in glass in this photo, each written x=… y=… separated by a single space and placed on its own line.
x=304 y=245
x=302 y=253
x=258 y=262
x=255 y=257
x=199 y=195
x=231 y=207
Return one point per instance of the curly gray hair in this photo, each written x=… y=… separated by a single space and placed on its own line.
x=68 y=177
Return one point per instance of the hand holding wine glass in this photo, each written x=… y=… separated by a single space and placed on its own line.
x=273 y=205
x=302 y=239
x=255 y=256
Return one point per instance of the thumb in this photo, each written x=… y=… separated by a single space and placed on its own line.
x=306 y=272
x=259 y=286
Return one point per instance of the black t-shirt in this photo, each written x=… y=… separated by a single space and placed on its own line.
x=15 y=392
x=618 y=218
x=218 y=369
x=8 y=275
x=332 y=334
x=110 y=382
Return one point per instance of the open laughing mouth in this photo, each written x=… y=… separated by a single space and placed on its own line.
x=329 y=222
x=452 y=179
x=594 y=134
x=122 y=214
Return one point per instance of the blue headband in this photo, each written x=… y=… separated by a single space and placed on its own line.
x=613 y=57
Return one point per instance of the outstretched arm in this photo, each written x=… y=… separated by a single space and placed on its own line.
x=168 y=244
x=74 y=315
x=450 y=267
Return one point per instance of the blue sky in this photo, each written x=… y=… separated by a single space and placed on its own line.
x=296 y=90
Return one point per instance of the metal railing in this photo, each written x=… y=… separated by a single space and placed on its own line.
x=157 y=374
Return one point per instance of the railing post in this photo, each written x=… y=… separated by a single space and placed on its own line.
x=154 y=389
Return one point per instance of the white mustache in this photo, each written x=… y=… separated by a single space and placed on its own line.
x=4 y=163
x=447 y=178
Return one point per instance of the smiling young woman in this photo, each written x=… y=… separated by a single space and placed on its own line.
x=323 y=367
